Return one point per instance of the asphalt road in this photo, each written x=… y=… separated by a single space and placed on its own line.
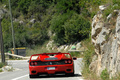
x=21 y=72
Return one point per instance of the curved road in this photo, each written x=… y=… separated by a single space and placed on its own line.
x=21 y=72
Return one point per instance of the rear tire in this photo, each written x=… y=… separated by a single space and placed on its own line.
x=33 y=76
x=69 y=74
x=72 y=74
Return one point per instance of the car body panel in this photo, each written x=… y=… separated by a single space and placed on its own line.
x=51 y=63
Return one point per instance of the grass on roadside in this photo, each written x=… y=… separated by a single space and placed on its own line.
x=87 y=59
x=76 y=54
x=0 y=70
x=1 y=65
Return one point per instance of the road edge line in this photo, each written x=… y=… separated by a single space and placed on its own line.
x=20 y=77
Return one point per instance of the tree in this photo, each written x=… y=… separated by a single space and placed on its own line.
x=77 y=28
x=56 y=25
x=64 y=5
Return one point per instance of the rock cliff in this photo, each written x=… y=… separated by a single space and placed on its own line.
x=106 y=39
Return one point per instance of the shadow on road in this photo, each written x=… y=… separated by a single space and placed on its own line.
x=57 y=76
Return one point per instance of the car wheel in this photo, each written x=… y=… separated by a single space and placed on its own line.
x=69 y=74
x=72 y=74
x=33 y=76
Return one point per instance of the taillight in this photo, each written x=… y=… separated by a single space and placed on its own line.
x=68 y=61
x=33 y=63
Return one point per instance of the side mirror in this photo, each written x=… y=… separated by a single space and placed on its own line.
x=74 y=58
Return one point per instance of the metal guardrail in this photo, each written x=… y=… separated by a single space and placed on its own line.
x=18 y=56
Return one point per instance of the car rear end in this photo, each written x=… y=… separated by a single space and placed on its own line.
x=51 y=63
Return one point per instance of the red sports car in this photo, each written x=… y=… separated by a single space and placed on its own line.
x=51 y=63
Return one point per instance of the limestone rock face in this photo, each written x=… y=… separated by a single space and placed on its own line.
x=106 y=39
x=7 y=68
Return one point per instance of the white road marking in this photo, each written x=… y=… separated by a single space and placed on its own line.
x=20 y=77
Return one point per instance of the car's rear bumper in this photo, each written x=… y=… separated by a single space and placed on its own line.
x=67 y=68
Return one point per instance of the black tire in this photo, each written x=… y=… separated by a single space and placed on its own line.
x=69 y=74
x=72 y=74
x=33 y=76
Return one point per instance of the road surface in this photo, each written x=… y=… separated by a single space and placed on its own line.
x=21 y=72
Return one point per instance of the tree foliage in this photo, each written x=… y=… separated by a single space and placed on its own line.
x=64 y=5
x=67 y=19
x=76 y=28
x=57 y=27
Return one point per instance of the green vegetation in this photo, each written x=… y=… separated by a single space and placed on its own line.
x=11 y=69
x=105 y=75
x=87 y=59
x=89 y=52
x=116 y=77
x=112 y=5
x=0 y=70
x=68 y=20
x=76 y=54
x=1 y=65
x=36 y=50
x=70 y=27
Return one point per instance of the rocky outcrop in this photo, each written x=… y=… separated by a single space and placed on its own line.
x=106 y=39
x=7 y=68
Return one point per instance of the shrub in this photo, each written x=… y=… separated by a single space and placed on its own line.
x=88 y=54
x=1 y=65
x=87 y=58
x=116 y=2
x=63 y=6
x=107 y=12
x=104 y=75
x=69 y=27
x=75 y=54
x=76 y=28
x=56 y=25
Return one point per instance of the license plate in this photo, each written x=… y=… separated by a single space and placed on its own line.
x=50 y=68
